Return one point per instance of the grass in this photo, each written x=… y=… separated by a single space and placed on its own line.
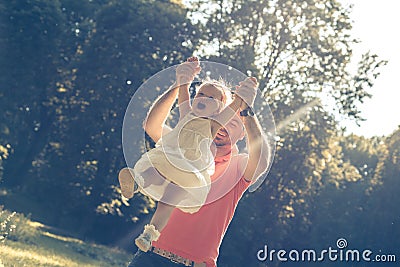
x=48 y=249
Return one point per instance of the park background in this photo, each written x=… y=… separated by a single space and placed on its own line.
x=69 y=69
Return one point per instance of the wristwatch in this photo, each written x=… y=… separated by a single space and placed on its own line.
x=247 y=112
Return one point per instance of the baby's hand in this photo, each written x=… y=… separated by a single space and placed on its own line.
x=247 y=91
x=193 y=59
x=186 y=71
x=195 y=63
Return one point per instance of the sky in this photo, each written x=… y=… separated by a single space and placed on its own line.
x=376 y=26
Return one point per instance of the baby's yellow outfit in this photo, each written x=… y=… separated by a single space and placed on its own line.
x=183 y=157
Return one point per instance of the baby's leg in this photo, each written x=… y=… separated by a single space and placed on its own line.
x=152 y=177
x=127 y=181
x=161 y=216
x=172 y=196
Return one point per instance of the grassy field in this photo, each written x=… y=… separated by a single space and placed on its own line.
x=48 y=249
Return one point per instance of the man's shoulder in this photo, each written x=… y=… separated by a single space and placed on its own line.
x=240 y=156
x=240 y=160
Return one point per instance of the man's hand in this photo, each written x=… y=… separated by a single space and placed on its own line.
x=247 y=91
x=186 y=71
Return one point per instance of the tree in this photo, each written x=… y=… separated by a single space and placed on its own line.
x=65 y=92
x=31 y=35
x=299 y=50
x=302 y=46
x=131 y=41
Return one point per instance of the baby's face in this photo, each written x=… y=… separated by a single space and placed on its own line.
x=208 y=101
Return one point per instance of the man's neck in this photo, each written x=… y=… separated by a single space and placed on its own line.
x=223 y=150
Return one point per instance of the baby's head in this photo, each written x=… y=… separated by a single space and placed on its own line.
x=211 y=98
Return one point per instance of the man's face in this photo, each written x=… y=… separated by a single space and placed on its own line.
x=231 y=133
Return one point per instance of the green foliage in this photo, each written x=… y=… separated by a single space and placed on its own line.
x=356 y=199
x=62 y=130
x=31 y=37
x=6 y=227
x=15 y=226
x=49 y=249
x=3 y=156
x=368 y=156
x=298 y=50
x=293 y=47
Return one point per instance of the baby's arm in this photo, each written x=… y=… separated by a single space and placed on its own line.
x=185 y=74
x=245 y=95
x=226 y=115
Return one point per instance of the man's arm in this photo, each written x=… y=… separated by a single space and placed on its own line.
x=154 y=125
x=244 y=97
x=258 y=147
x=257 y=143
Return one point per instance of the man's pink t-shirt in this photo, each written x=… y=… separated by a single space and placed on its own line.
x=198 y=236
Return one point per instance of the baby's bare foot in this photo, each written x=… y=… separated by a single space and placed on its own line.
x=127 y=182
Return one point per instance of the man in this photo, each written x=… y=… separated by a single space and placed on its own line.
x=194 y=239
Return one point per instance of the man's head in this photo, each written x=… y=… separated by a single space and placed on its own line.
x=231 y=133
